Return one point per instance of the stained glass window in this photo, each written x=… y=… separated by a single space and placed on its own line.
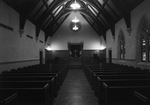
x=149 y=50
x=121 y=45
x=145 y=42
x=143 y=49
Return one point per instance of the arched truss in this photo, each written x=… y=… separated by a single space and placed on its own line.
x=101 y=14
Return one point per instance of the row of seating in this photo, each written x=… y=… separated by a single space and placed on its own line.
x=117 y=84
x=33 y=85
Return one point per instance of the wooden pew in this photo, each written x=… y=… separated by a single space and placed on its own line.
x=27 y=74
x=43 y=79
x=61 y=73
x=94 y=76
x=115 y=72
x=100 y=78
x=8 y=98
x=121 y=91
x=142 y=97
x=100 y=84
x=118 y=75
x=124 y=76
x=52 y=91
x=56 y=77
x=29 y=92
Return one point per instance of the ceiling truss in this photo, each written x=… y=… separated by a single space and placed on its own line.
x=48 y=15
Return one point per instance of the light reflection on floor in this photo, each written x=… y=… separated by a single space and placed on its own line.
x=76 y=90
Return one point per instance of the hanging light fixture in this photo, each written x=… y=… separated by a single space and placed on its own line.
x=75 y=28
x=75 y=25
x=75 y=5
x=75 y=20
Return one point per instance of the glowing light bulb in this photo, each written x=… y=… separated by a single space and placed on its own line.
x=75 y=28
x=75 y=5
x=75 y=20
x=102 y=47
x=48 y=48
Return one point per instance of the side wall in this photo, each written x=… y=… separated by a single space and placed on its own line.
x=18 y=50
x=130 y=38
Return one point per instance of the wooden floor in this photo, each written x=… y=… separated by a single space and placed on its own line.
x=75 y=89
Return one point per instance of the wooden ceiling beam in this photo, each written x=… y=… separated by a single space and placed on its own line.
x=59 y=16
x=120 y=5
x=124 y=10
x=22 y=21
x=43 y=17
x=92 y=25
x=46 y=23
x=28 y=7
x=26 y=11
x=96 y=21
x=103 y=22
x=94 y=18
x=51 y=7
x=45 y=3
x=105 y=3
x=48 y=11
x=113 y=30
x=53 y=31
x=127 y=19
x=113 y=11
x=37 y=31
x=102 y=11
x=53 y=22
x=39 y=9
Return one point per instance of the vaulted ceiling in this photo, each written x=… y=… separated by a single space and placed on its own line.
x=48 y=15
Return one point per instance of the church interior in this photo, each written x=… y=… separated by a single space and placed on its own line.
x=74 y=52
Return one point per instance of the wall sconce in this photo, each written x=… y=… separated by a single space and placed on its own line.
x=102 y=47
x=48 y=48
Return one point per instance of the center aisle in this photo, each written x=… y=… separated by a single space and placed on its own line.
x=76 y=90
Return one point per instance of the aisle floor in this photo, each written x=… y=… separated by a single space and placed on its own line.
x=76 y=90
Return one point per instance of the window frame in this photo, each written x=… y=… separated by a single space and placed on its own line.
x=122 y=46
x=145 y=35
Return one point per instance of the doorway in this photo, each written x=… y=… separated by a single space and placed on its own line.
x=109 y=56
x=41 y=57
x=75 y=50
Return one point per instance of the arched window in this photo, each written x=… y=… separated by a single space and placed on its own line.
x=121 y=45
x=145 y=41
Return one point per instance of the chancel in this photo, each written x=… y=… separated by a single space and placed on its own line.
x=74 y=52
